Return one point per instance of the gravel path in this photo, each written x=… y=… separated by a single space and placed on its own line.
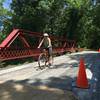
x=61 y=76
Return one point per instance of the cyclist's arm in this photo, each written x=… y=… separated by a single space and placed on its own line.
x=40 y=43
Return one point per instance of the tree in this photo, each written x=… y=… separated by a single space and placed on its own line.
x=29 y=14
x=71 y=19
x=4 y=16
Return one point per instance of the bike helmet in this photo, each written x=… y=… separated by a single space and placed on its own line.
x=45 y=34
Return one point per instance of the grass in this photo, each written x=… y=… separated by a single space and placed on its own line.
x=16 y=62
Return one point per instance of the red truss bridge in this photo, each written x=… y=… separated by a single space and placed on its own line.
x=23 y=44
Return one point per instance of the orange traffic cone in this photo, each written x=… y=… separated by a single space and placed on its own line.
x=82 y=81
x=99 y=50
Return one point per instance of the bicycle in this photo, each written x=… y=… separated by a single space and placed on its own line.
x=43 y=59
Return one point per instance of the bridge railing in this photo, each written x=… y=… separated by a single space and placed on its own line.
x=7 y=52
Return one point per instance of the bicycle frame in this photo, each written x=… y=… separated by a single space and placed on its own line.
x=45 y=52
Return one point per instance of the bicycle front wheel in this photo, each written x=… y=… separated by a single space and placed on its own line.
x=42 y=61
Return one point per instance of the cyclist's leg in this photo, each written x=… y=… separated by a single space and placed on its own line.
x=50 y=55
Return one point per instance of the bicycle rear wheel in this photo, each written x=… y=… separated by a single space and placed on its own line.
x=42 y=61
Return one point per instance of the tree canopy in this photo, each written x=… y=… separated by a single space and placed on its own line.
x=4 y=16
x=73 y=19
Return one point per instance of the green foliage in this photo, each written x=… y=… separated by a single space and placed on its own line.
x=4 y=21
x=72 y=19
x=31 y=15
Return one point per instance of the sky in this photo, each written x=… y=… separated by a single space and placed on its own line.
x=6 y=4
x=94 y=2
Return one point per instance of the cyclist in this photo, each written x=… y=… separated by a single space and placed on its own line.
x=46 y=42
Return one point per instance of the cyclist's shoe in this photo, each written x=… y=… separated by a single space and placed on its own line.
x=51 y=66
